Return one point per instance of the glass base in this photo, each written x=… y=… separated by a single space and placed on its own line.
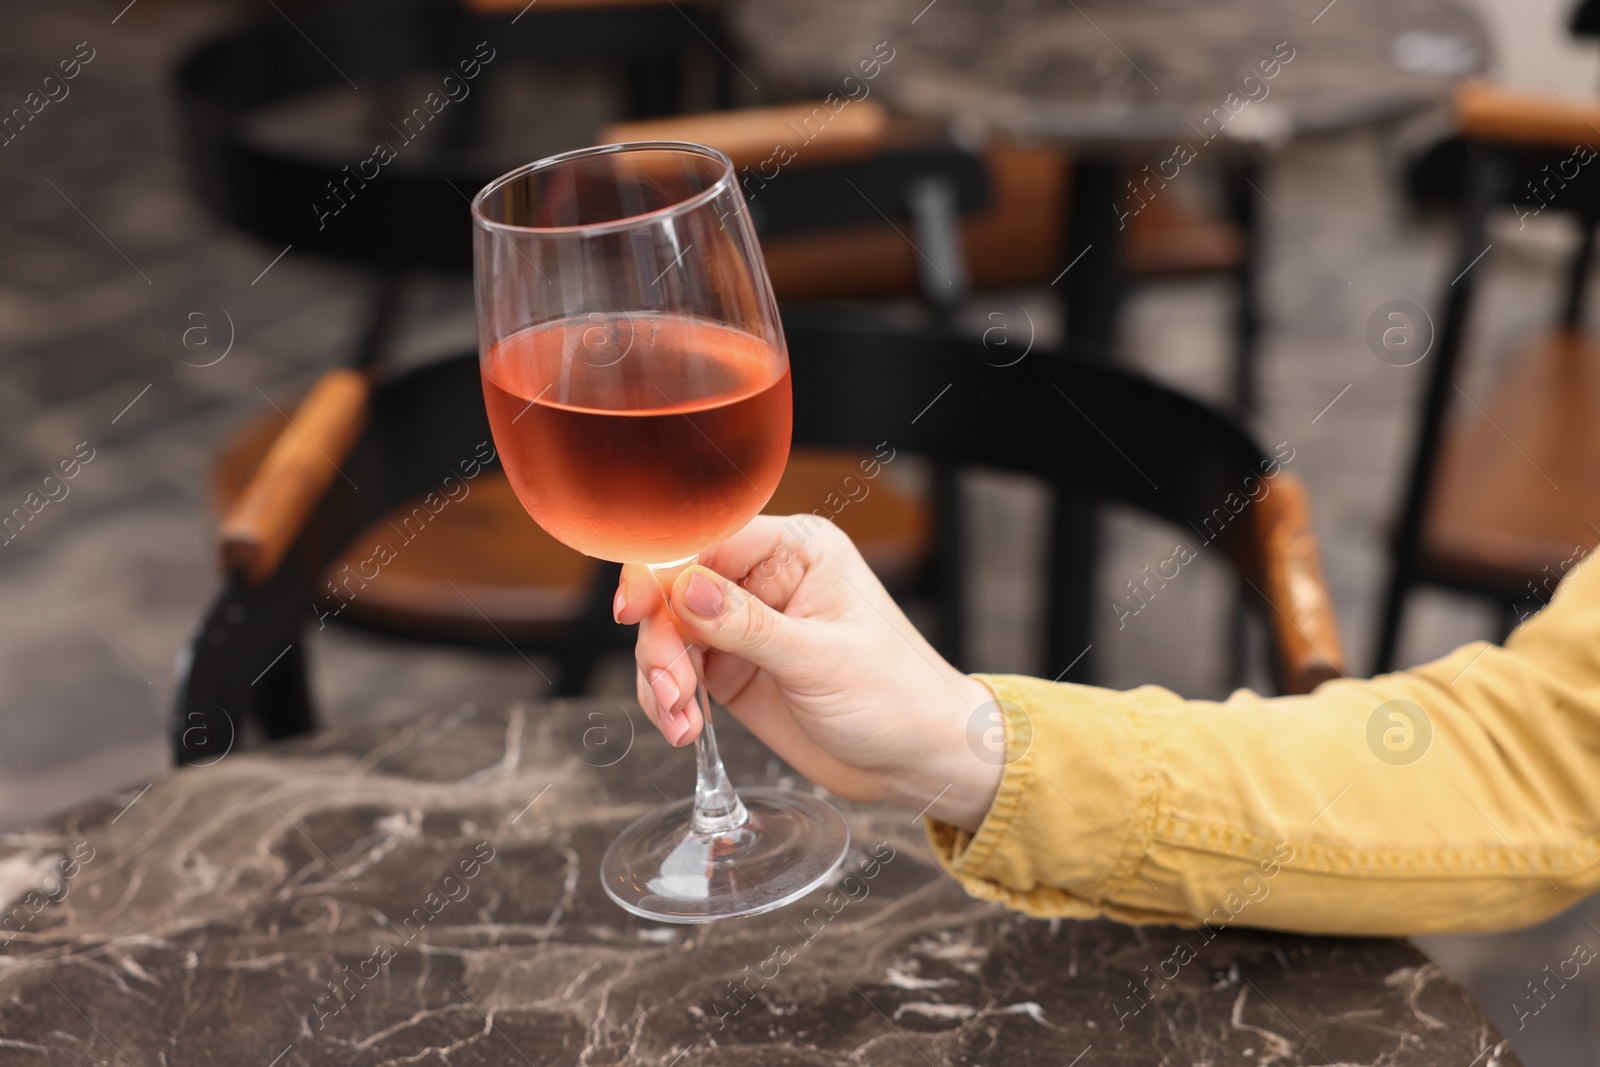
x=660 y=868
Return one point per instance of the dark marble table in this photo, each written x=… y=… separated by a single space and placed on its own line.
x=426 y=894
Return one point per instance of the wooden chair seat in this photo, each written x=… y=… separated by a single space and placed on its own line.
x=482 y=570
x=1518 y=484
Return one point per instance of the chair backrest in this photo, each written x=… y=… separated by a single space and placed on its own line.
x=807 y=167
x=848 y=204
x=347 y=208
x=1095 y=432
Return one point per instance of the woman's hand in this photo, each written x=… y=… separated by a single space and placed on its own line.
x=809 y=651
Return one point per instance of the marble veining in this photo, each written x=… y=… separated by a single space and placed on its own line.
x=427 y=894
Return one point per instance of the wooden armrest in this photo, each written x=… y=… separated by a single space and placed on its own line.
x=1305 y=631
x=1489 y=112
x=812 y=132
x=302 y=462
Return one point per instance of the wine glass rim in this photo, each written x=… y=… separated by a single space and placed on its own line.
x=689 y=203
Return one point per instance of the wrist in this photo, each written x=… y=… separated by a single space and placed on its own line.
x=959 y=771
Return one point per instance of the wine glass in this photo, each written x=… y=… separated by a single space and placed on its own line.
x=637 y=384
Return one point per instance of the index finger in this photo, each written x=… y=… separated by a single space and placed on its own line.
x=764 y=549
x=638 y=594
x=766 y=539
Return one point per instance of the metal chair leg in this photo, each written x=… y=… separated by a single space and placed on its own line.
x=1509 y=619
x=1394 y=604
x=1488 y=177
x=282 y=701
x=1092 y=287
x=1247 y=305
x=1069 y=617
x=1238 y=641
x=1242 y=205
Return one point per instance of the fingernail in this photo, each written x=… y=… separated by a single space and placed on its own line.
x=677 y=724
x=664 y=689
x=702 y=597
x=620 y=601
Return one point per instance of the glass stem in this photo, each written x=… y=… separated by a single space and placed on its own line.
x=717 y=808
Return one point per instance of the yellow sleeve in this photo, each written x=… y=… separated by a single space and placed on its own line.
x=1334 y=812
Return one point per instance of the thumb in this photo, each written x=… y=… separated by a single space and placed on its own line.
x=716 y=612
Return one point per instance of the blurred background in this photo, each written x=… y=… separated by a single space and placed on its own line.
x=107 y=253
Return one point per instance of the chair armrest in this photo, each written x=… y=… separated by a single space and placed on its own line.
x=812 y=132
x=1488 y=112
x=1300 y=608
x=303 y=461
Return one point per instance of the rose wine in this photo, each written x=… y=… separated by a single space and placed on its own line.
x=641 y=438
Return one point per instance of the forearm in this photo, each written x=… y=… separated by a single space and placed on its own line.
x=1278 y=813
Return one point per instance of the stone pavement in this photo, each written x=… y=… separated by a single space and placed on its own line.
x=103 y=246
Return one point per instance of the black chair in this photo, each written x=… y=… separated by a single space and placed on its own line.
x=1087 y=431
x=397 y=51
x=1501 y=499
x=406 y=216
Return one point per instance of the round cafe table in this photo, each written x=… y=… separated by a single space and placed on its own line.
x=1111 y=74
x=427 y=893
x=1116 y=81
x=1120 y=83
